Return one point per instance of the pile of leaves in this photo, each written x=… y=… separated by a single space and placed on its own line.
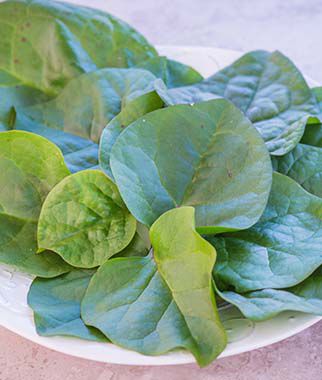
x=138 y=193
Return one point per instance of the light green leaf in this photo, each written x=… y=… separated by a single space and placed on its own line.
x=30 y=166
x=90 y=101
x=173 y=73
x=132 y=111
x=153 y=307
x=281 y=250
x=56 y=303
x=272 y=93
x=267 y=303
x=304 y=165
x=208 y=156
x=46 y=44
x=84 y=220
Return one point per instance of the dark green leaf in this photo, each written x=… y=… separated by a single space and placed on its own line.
x=79 y=153
x=45 y=43
x=56 y=305
x=313 y=135
x=271 y=92
x=173 y=73
x=30 y=166
x=153 y=307
x=84 y=220
x=208 y=156
x=281 y=250
x=264 y=304
x=131 y=112
x=304 y=165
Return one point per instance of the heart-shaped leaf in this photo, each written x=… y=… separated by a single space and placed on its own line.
x=84 y=220
x=208 y=156
x=56 y=303
x=155 y=306
x=281 y=250
x=30 y=166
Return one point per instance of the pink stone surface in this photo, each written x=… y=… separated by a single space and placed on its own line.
x=296 y=358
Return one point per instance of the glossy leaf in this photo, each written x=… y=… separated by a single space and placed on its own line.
x=208 y=156
x=271 y=92
x=13 y=94
x=281 y=250
x=132 y=111
x=90 y=101
x=304 y=165
x=84 y=220
x=182 y=95
x=267 y=303
x=153 y=307
x=30 y=166
x=45 y=43
x=79 y=153
x=173 y=73
x=56 y=305
x=313 y=135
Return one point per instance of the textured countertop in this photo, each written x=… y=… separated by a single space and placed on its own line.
x=295 y=28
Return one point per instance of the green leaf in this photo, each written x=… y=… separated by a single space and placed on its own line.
x=153 y=307
x=131 y=112
x=30 y=166
x=90 y=101
x=267 y=303
x=182 y=95
x=13 y=94
x=84 y=220
x=79 y=153
x=46 y=44
x=304 y=165
x=173 y=73
x=313 y=135
x=272 y=93
x=140 y=244
x=208 y=156
x=281 y=250
x=56 y=303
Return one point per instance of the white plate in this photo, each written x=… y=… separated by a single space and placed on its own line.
x=244 y=335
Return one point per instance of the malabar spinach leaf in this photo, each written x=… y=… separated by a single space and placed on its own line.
x=45 y=43
x=208 y=156
x=271 y=92
x=56 y=304
x=132 y=111
x=265 y=304
x=79 y=153
x=84 y=220
x=173 y=73
x=155 y=306
x=281 y=250
x=90 y=101
x=30 y=166
x=304 y=165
